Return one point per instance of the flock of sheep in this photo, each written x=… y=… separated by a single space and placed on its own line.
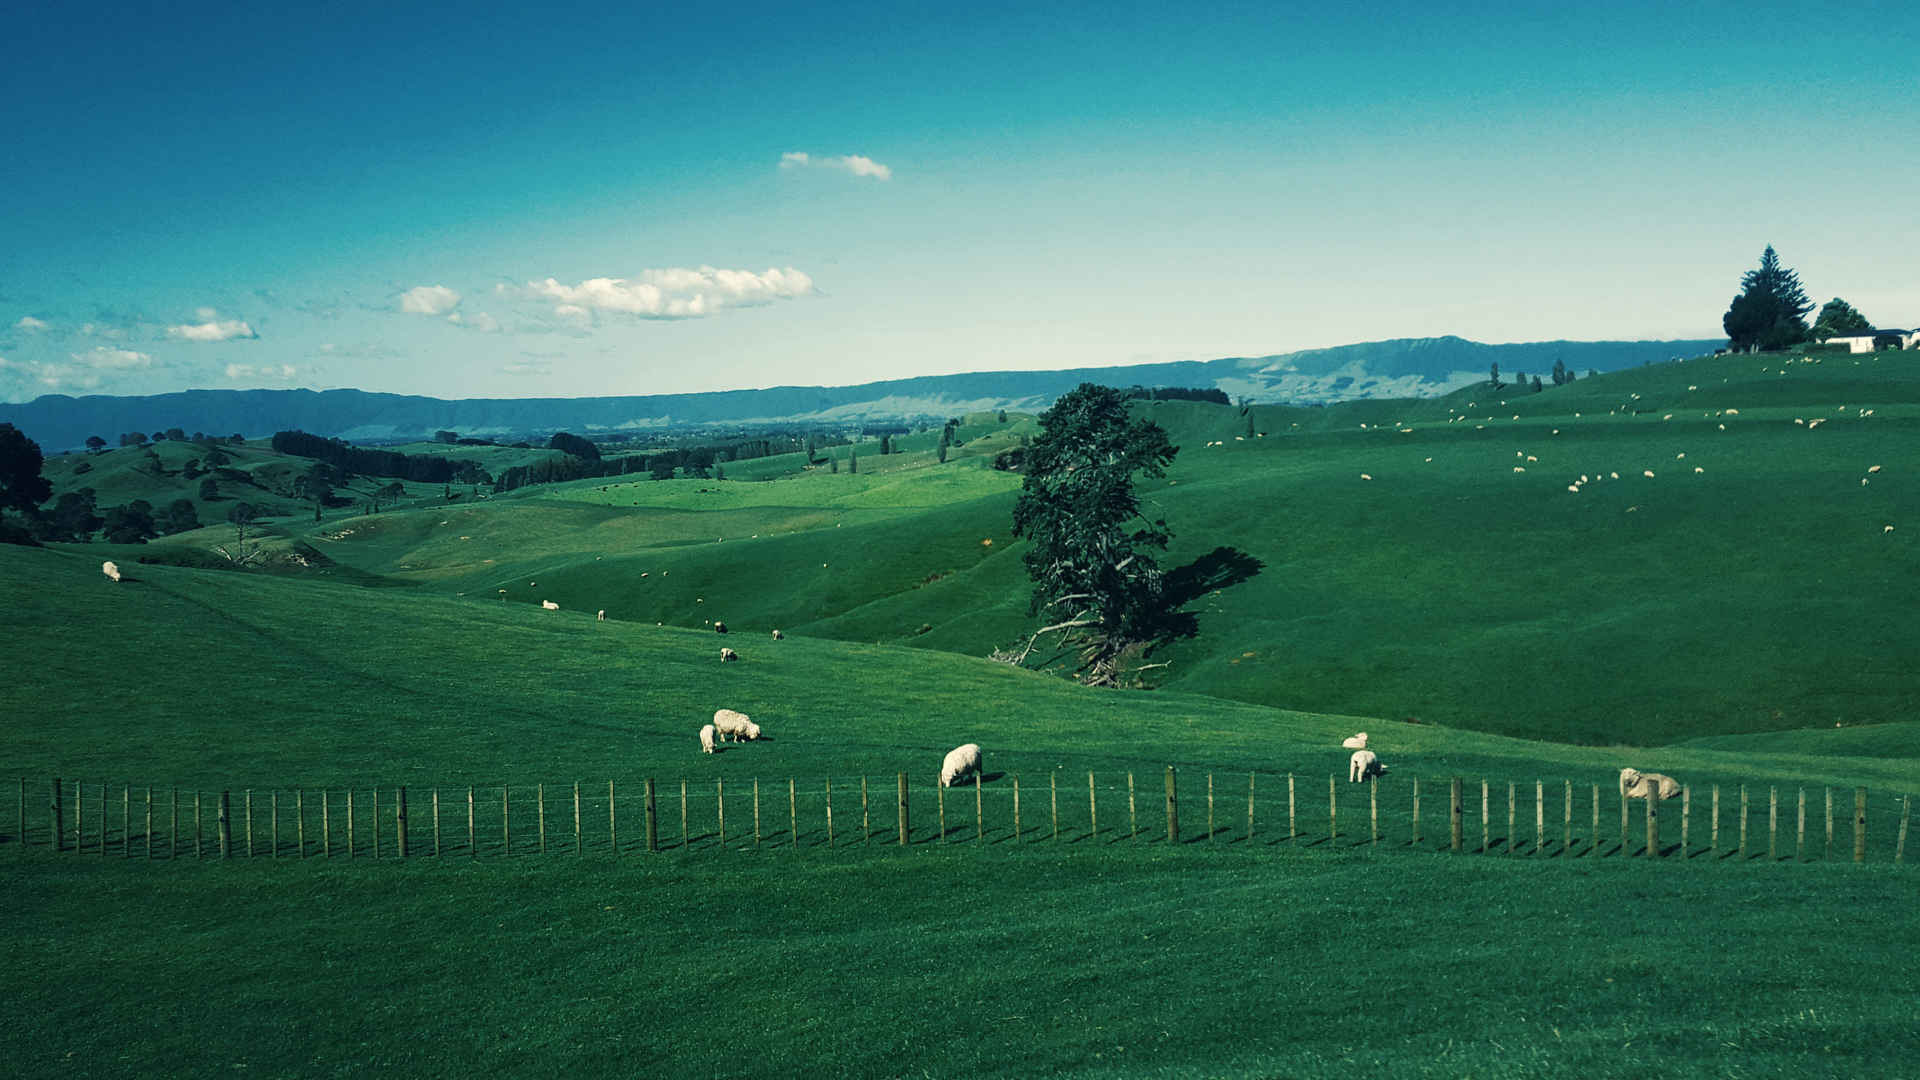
x=1365 y=765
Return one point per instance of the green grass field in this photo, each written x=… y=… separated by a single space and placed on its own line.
x=1715 y=626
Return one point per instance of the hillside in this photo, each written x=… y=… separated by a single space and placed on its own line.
x=1400 y=368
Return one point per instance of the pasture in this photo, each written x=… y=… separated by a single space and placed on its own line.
x=1737 y=626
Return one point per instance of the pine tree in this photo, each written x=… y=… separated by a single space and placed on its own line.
x=1770 y=312
x=1839 y=318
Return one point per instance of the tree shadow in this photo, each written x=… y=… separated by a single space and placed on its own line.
x=1220 y=568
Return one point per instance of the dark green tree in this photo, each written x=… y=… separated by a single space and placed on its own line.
x=1839 y=318
x=853 y=460
x=446 y=436
x=1770 y=312
x=95 y=444
x=22 y=487
x=73 y=518
x=130 y=524
x=942 y=453
x=241 y=515
x=1561 y=376
x=1493 y=376
x=179 y=517
x=1090 y=552
x=209 y=489
x=1536 y=384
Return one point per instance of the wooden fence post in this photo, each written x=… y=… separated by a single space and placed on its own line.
x=653 y=819
x=1133 y=819
x=1292 y=832
x=1625 y=837
x=1485 y=817
x=540 y=813
x=1800 y=828
x=904 y=829
x=1333 y=809
x=1595 y=848
x=1539 y=817
x=1773 y=823
x=1859 y=824
x=940 y=800
x=684 y=839
x=1653 y=824
x=1453 y=819
x=793 y=812
x=1512 y=797
x=1093 y=808
x=720 y=811
x=249 y=825
x=756 y=811
x=1566 y=839
x=349 y=823
x=1900 y=847
x=829 y=812
x=149 y=825
x=300 y=820
x=613 y=823
x=126 y=820
x=1016 y=808
x=473 y=847
x=376 y=822
x=56 y=814
x=576 y=816
x=1249 y=806
x=400 y=819
x=1713 y=844
x=1686 y=817
x=436 y=821
x=866 y=825
x=273 y=816
x=1416 y=811
x=80 y=813
x=1829 y=855
x=1373 y=807
x=980 y=812
x=1173 y=809
x=1053 y=791
x=226 y=824
x=326 y=823
x=506 y=822
x=1209 y=808
x=1743 y=821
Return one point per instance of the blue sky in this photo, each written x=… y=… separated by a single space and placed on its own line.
x=569 y=201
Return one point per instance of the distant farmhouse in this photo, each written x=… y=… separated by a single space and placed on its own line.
x=1877 y=339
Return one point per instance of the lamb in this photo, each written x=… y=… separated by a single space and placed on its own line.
x=719 y=628
x=962 y=763
x=706 y=739
x=778 y=636
x=727 y=654
x=112 y=571
x=549 y=605
x=1364 y=765
x=601 y=616
x=1635 y=784
x=1356 y=742
x=734 y=726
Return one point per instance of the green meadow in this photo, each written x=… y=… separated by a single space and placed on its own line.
x=1744 y=625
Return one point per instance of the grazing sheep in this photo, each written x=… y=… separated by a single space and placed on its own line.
x=1356 y=742
x=550 y=605
x=601 y=616
x=719 y=628
x=778 y=636
x=732 y=725
x=706 y=739
x=727 y=654
x=1364 y=765
x=962 y=762
x=112 y=571
x=1635 y=784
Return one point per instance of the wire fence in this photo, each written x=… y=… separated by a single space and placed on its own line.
x=1557 y=819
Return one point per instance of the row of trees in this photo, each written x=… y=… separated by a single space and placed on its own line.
x=1770 y=311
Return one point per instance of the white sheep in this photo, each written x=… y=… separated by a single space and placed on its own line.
x=1364 y=765
x=961 y=763
x=778 y=636
x=549 y=605
x=1635 y=784
x=112 y=571
x=727 y=654
x=1356 y=742
x=706 y=739
x=734 y=726
x=601 y=616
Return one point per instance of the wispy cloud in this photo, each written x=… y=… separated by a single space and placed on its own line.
x=100 y=356
x=88 y=370
x=856 y=164
x=31 y=325
x=480 y=320
x=530 y=364
x=675 y=293
x=214 y=330
x=429 y=300
x=262 y=373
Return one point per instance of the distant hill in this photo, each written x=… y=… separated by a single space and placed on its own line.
x=1406 y=367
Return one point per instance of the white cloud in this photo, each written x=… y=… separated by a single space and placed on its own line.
x=481 y=321
x=674 y=293
x=224 y=330
x=529 y=364
x=96 y=330
x=856 y=164
x=30 y=324
x=429 y=300
x=102 y=357
x=264 y=371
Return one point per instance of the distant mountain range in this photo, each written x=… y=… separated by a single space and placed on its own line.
x=1405 y=367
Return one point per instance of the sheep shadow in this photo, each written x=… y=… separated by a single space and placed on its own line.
x=1221 y=568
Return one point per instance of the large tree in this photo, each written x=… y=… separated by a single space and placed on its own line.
x=1839 y=317
x=1091 y=552
x=22 y=487
x=1770 y=312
